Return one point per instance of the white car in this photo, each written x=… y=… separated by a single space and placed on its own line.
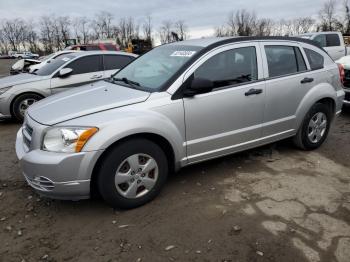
x=332 y=42
x=18 y=92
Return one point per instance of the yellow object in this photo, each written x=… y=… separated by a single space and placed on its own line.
x=84 y=137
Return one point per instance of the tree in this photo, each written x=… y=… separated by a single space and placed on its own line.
x=147 y=28
x=102 y=25
x=165 y=32
x=181 y=29
x=327 y=15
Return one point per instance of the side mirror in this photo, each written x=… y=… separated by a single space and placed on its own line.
x=199 y=86
x=65 y=72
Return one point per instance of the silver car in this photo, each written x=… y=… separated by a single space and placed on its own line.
x=177 y=105
x=18 y=92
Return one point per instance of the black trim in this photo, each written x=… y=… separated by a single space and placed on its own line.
x=178 y=93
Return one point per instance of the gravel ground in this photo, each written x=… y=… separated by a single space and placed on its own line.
x=274 y=203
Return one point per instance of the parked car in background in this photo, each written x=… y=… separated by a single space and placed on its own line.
x=178 y=104
x=345 y=63
x=20 y=91
x=23 y=66
x=332 y=42
x=23 y=55
x=94 y=47
x=47 y=59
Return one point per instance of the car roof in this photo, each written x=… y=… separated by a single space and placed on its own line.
x=217 y=41
x=99 y=52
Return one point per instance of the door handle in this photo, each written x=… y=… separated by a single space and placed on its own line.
x=253 y=91
x=96 y=77
x=307 y=80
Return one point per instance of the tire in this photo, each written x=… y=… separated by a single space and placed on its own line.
x=21 y=104
x=139 y=153
x=311 y=136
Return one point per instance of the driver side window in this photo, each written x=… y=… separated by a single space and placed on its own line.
x=86 y=64
x=230 y=67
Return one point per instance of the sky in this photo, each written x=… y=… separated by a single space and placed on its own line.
x=201 y=16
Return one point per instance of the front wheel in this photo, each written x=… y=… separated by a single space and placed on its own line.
x=132 y=173
x=21 y=104
x=315 y=127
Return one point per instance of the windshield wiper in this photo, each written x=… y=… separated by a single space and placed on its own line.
x=127 y=81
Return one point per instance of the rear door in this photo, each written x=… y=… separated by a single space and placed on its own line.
x=287 y=81
x=113 y=63
x=86 y=69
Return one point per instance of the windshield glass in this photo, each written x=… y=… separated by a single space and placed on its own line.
x=53 y=65
x=156 y=67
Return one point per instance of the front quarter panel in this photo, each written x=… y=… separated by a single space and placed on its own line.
x=158 y=115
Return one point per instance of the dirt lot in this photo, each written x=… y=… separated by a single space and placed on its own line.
x=274 y=203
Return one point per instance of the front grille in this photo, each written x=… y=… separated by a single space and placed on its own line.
x=27 y=135
x=41 y=183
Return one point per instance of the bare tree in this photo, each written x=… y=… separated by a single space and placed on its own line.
x=181 y=29
x=81 y=29
x=102 y=25
x=263 y=27
x=327 y=15
x=46 y=33
x=165 y=32
x=147 y=28
x=13 y=31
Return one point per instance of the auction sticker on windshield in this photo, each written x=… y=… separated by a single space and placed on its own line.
x=183 y=53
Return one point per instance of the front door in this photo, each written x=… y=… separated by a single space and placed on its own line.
x=86 y=69
x=229 y=118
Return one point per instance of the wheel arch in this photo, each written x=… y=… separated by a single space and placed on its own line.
x=323 y=93
x=161 y=141
x=20 y=94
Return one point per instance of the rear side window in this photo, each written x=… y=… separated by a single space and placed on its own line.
x=315 y=59
x=321 y=40
x=332 y=40
x=113 y=62
x=231 y=67
x=86 y=64
x=284 y=60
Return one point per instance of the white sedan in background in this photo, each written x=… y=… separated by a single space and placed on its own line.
x=66 y=71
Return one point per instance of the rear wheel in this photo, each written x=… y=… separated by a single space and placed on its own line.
x=315 y=127
x=21 y=104
x=132 y=173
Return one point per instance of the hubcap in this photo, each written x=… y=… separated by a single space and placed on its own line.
x=23 y=106
x=136 y=176
x=317 y=127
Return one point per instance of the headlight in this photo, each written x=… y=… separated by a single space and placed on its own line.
x=67 y=139
x=4 y=89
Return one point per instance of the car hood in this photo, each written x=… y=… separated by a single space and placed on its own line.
x=19 y=79
x=84 y=100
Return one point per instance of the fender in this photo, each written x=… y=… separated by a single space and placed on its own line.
x=315 y=94
x=135 y=122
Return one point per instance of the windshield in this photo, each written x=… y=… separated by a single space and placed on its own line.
x=156 y=67
x=53 y=65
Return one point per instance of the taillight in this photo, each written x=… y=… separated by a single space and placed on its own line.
x=341 y=73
